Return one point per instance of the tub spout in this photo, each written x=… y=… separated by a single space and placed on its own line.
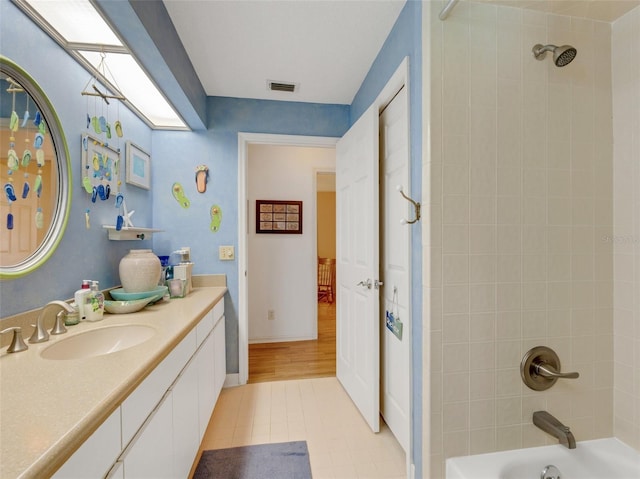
x=551 y=425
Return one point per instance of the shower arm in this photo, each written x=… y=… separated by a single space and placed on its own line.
x=543 y=49
x=447 y=9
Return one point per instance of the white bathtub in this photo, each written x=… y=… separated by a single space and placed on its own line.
x=597 y=459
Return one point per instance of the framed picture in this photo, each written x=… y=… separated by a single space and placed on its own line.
x=138 y=167
x=100 y=164
x=278 y=217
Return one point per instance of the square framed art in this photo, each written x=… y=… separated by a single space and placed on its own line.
x=138 y=167
x=278 y=217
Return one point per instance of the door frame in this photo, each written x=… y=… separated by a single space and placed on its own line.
x=244 y=140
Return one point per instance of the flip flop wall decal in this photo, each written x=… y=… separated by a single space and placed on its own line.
x=216 y=218
x=202 y=178
x=178 y=193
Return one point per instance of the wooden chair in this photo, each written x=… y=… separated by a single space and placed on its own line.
x=326 y=279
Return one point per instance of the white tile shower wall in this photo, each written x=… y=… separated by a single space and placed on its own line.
x=626 y=231
x=521 y=197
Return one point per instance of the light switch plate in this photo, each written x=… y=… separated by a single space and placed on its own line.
x=226 y=253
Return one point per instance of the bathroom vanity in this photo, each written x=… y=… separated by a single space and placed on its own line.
x=140 y=411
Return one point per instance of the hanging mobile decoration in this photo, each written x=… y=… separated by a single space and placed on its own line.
x=13 y=163
x=32 y=149
x=101 y=161
x=26 y=155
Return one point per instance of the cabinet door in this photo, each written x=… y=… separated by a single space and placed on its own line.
x=136 y=408
x=220 y=363
x=206 y=384
x=150 y=454
x=186 y=437
x=97 y=454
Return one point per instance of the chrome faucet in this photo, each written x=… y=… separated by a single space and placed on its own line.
x=40 y=334
x=551 y=425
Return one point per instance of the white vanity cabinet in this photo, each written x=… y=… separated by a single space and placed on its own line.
x=157 y=430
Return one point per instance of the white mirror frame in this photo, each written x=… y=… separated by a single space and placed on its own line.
x=63 y=199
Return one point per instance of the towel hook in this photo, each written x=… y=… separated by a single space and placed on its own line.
x=415 y=204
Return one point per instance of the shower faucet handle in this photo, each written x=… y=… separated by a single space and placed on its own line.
x=548 y=371
x=540 y=368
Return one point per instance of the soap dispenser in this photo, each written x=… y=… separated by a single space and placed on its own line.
x=95 y=307
x=81 y=297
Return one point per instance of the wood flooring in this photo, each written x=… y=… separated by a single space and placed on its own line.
x=297 y=359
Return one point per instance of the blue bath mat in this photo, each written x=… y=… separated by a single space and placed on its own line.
x=286 y=460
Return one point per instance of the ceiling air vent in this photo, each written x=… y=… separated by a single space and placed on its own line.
x=281 y=86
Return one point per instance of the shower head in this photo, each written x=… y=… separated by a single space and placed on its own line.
x=561 y=55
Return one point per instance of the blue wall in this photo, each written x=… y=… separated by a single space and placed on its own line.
x=82 y=253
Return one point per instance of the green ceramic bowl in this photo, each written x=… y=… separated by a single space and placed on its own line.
x=119 y=294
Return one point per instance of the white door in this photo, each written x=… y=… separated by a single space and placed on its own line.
x=357 y=265
x=395 y=261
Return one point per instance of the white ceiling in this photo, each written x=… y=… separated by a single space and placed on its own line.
x=326 y=47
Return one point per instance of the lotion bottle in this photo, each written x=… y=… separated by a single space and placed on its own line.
x=81 y=297
x=94 y=308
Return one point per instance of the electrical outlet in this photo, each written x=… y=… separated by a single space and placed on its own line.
x=226 y=253
x=271 y=315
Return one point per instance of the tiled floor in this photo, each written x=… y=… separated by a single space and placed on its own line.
x=340 y=443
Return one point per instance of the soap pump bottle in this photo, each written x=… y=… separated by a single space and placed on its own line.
x=95 y=306
x=81 y=296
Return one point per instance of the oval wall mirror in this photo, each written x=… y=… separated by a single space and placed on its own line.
x=35 y=174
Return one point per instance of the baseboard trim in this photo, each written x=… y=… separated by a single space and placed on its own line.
x=232 y=380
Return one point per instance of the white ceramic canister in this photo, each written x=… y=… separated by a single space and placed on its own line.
x=139 y=271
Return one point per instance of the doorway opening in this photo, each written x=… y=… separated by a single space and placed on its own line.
x=274 y=360
x=278 y=287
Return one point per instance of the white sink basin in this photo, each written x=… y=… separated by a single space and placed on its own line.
x=98 y=342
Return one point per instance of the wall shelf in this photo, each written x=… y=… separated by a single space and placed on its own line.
x=130 y=233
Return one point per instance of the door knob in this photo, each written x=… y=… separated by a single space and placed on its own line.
x=367 y=284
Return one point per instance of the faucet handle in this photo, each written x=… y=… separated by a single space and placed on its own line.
x=17 y=343
x=548 y=371
x=59 y=328
x=40 y=334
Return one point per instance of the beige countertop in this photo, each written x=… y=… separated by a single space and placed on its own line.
x=48 y=408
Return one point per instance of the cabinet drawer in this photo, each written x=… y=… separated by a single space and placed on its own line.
x=204 y=327
x=141 y=402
